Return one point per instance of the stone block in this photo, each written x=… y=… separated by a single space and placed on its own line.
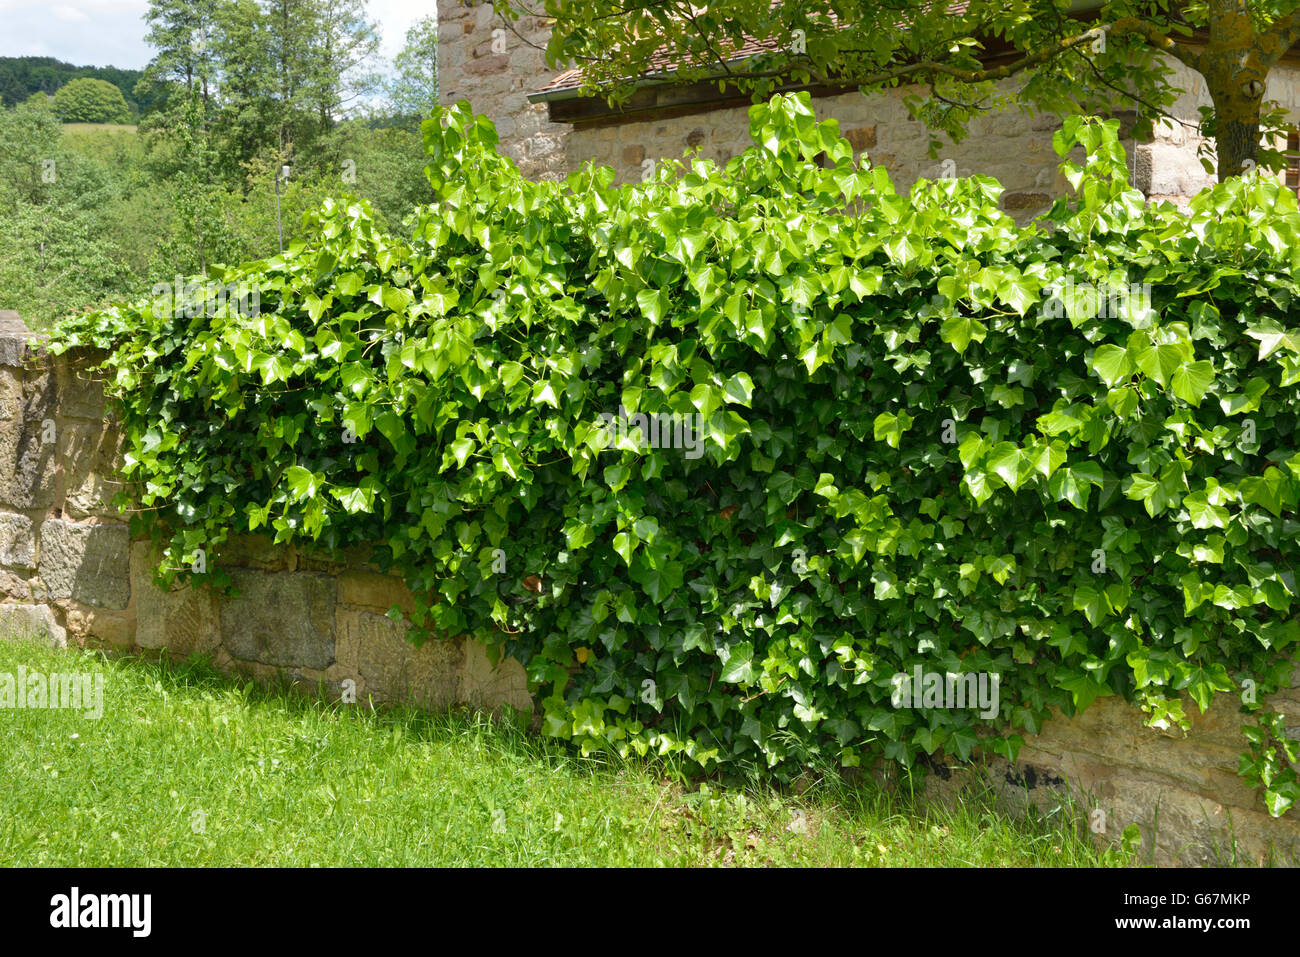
x=90 y=457
x=17 y=344
x=28 y=462
x=487 y=65
x=184 y=620
x=32 y=622
x=888 y=161
x=17 y=542
x=1025 y=200
x=80 y=395
x=488 y=685
x=284 y=619
x=11 y=393
x=14 y=587
x=393 y=669
x=84 y=623
x=89 y=563
x=255 y=552
x=1167 y=170
x=375 y=591
x=861 y=138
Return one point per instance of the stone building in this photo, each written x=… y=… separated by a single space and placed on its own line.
x=549 y=130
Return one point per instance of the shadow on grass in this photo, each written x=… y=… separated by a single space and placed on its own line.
x=901 y=800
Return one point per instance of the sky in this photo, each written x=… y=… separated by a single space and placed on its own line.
x=111 y=32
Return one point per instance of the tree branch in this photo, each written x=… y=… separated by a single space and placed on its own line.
x=929 y=68
x=1131 y=26
x=1157 y=110
x=1281 y=36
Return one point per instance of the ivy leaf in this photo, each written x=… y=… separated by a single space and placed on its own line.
x=1008 y=462
x=1112 y=364
x=1205 y=514
x=1160 y=362
x=738 y=665
x=739 y=389
x=890 y=427
x=302 y=482
x=1091 y=602
x=960 y=331
x=1191 y=382
x=653 y=304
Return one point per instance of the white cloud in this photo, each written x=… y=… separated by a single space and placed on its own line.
x=70 y=14
x=395 y=17
x=84 y=32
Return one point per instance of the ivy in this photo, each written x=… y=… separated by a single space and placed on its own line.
x=889 y=432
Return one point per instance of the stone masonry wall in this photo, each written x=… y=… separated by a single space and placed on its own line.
x=1014 y=149
x=69 y=569
x=482 y=60
x=1181 y=789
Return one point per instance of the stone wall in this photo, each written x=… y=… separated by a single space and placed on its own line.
x=1010 y=146
x=1014 y=149
x=1181 y=789
x=495 y=66
x=70 y=570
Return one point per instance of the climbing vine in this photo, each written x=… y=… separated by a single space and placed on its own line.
x=720 y=456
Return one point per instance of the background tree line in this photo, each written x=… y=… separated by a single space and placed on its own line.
x=236 y=91
x=21 y=76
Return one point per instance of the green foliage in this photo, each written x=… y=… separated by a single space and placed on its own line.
x=87 y=100
x=413 y=90
x=58 y=253
x=29 y=139
x=927 y=439
x=271 y=74
x=87 y=215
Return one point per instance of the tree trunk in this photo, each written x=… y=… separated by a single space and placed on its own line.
x=1235 y=72
x=1236 y=133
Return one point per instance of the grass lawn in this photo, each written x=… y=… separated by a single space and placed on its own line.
x=186 y=767
x=107 y=127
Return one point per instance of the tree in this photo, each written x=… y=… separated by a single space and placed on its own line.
x=413 y=91
x=29 y=143
x=22 y=76
x=274 y=76
x=181 y=32
x=1073 y=55
x=89 y=100
x=344 y=39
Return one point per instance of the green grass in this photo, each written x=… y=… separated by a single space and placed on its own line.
x=107 y=127
x=188 y=768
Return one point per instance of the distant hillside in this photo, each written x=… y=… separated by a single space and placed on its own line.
x=21 y=76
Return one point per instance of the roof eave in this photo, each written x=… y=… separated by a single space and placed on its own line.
x=662 y=78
